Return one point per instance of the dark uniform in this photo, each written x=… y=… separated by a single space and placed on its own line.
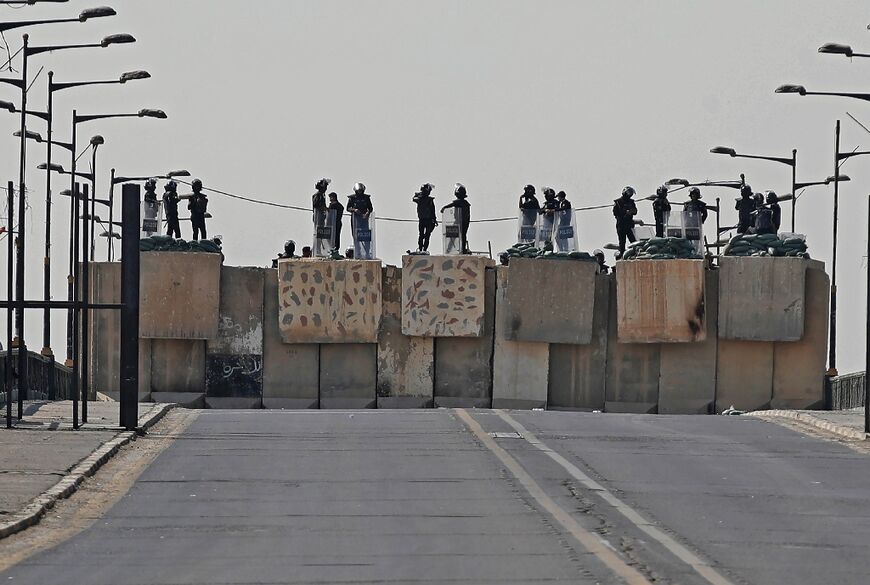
x=697 y=205
x=360 y=206
x=775 y=210
x=464 y=207
x=426 y=219
x=624 y=210
x=745 y=210
x=170 y=205
x=198 y=207
x=338 y=209
x=661 y=209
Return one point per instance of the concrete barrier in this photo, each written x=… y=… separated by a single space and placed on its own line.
x=548 y=301
x=290 y=371
x=578 y=372
x=519 y=368
x=406 y=365
x=799 y=366
x=762 y=299
x=463 y=365
x=348 y=375
x=745 y=374
x=687 y=379
x=234 y=359
x=660 y=301
x=632 y=368
x=329 y=301
x=179 y=295
x=178 y=370
x=442 y=296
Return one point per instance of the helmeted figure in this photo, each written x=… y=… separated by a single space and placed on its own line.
x=318 y=202
x=338 y=208
x=528 y=199
x=289 y=252
x=461 y=203
x=603 y=268
x=745 y=210
x=150 y=191
x=624 y=210
x=775 y=210
x=198 y=207
x=170 y=207
x=762 y=216
x=661 y=210
x=359 y=205
x=696 y=204
x=550 y=202
x=426 y=220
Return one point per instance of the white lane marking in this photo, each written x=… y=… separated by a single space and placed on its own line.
x=700 y=566
x=590 y=541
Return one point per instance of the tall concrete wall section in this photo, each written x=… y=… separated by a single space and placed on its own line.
x=632 y=368
x=329 y=301
x=548 y=301
x=179 y=295
x=234 y=359
x=406 y=365
x=291 y=372
x=762 y=299
x=519 y=368
x=578 y=372
x=348 y=375
x=660 y=301
x=178 y=371
x=799 y=366
x=745 y=374
x=463 y=365
x=442 y=296
x=687 y=379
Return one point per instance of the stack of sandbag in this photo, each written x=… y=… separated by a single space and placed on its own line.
x=783 y=245
x=168 y=244
x=662 y=249
x=527 y=250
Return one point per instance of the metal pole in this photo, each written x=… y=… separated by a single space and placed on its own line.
x=93 y=198
x=19 y=260
x=867 y=332
x=111 y=241
x=832 y=330
x=74 y=280
x=10 y=199
x=129 y=412
x=793 y=183
x=46 y=277
x=718 y=227
x=84 y=292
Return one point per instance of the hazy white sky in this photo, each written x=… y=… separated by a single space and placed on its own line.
x=266 y=97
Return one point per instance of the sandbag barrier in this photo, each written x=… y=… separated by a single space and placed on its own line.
x=784 y=245
x=662 y=249
x=168 y=244
x=527 y=250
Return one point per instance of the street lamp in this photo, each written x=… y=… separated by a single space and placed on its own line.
x=792 y=162
x=838 y=49
x=801 y=90
x=28 y=2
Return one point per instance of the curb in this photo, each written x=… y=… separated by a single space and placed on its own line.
x=839 y=430
x=68 y=485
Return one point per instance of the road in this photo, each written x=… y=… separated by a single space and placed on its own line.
x=271 y=497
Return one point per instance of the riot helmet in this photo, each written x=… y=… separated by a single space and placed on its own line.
x=628 y=192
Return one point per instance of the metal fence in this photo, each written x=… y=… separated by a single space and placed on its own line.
x=847 y=391
x=46 y=378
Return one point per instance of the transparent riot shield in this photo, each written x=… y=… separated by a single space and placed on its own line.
x=565 y=233
x=546 y=227
x=363 y=231
x=152 y=218
x=527 y=226
x=674 y=225
x=324 y=232
x=693 y=229
x=451 y=230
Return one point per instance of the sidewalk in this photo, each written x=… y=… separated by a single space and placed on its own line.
x=848 y=424
x=43 y=459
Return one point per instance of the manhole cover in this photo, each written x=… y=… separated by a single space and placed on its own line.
x=505 y=435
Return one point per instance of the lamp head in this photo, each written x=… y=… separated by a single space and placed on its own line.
x=178 y=173
x=29 y=134
x=836 y=49
x=98 y=12
x=97 y=140
x=840 y=179
x=677 y=181
x=7 y=106
x=724 y=150
x=51 y=167
x=131 y=75
x=119 y=39
x=149 y=113
x=791 y=88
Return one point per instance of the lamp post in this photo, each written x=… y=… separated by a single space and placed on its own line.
x=28 y=2
x=83 y=283
x=792 y=162
x=801 y=90
x=838 y=49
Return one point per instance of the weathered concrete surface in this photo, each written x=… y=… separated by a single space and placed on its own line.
x=178 y=365
x=660 y=301
x=179 y=295
x=406 y=365
x=745 y=374
x=578 y=372
x=290 y=371
x=442 y=295
x=632 y=383
x=762 y=299
x=548 y=301
x=799 y=366
x=520 y=368
x=463 y=365
x=687 y=379
x=348 y=375
x=328 y=301
x=234 y=359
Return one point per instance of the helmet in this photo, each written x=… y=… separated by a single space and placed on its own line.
x=561 y=195
x=359 y=188
x=290 y=247
x=549 y=192
x=628 y=192
x=694 y=193
x=322 y=183
x=196 y=184
x=170 y=186
x=459 y=191
x=530 y=189
x=746 y=191
x=598 y=253
x=427 y=187
x=771 y=197
x=150 y=184
x=661 y=191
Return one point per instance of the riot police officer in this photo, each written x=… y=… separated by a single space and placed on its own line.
x=170 y=205
x=461 y=203
x=338 y=209
x=763 y=217
x=318 y=202
x=775 y=210
x=198 y=207
x=624 y=210
x=695 y=204
x=359 y=205
x=426 y=220
x=745 y=209
x=661 y=210
x=602 y=267
x=528 y=199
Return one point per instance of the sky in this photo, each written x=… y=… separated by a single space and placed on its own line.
x=266 y=97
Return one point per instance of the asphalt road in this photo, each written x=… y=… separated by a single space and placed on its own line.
x=272 y=497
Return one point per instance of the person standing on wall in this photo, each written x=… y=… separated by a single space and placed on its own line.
x=170 y=204
x=198 y=207
x=426 y=220
x=337 y=209
x=464 y=207
x=624 y=210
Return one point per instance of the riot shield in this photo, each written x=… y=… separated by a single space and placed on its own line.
x=674 y=225
x=451 y=230
x=565 y=232
x=527 y=226
x=546 y=226
x=152 y=218
x=324 y=232
x=363 y=231
x=693 y=229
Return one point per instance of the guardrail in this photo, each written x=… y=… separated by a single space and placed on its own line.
x=848 y=391
x=46 y=378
